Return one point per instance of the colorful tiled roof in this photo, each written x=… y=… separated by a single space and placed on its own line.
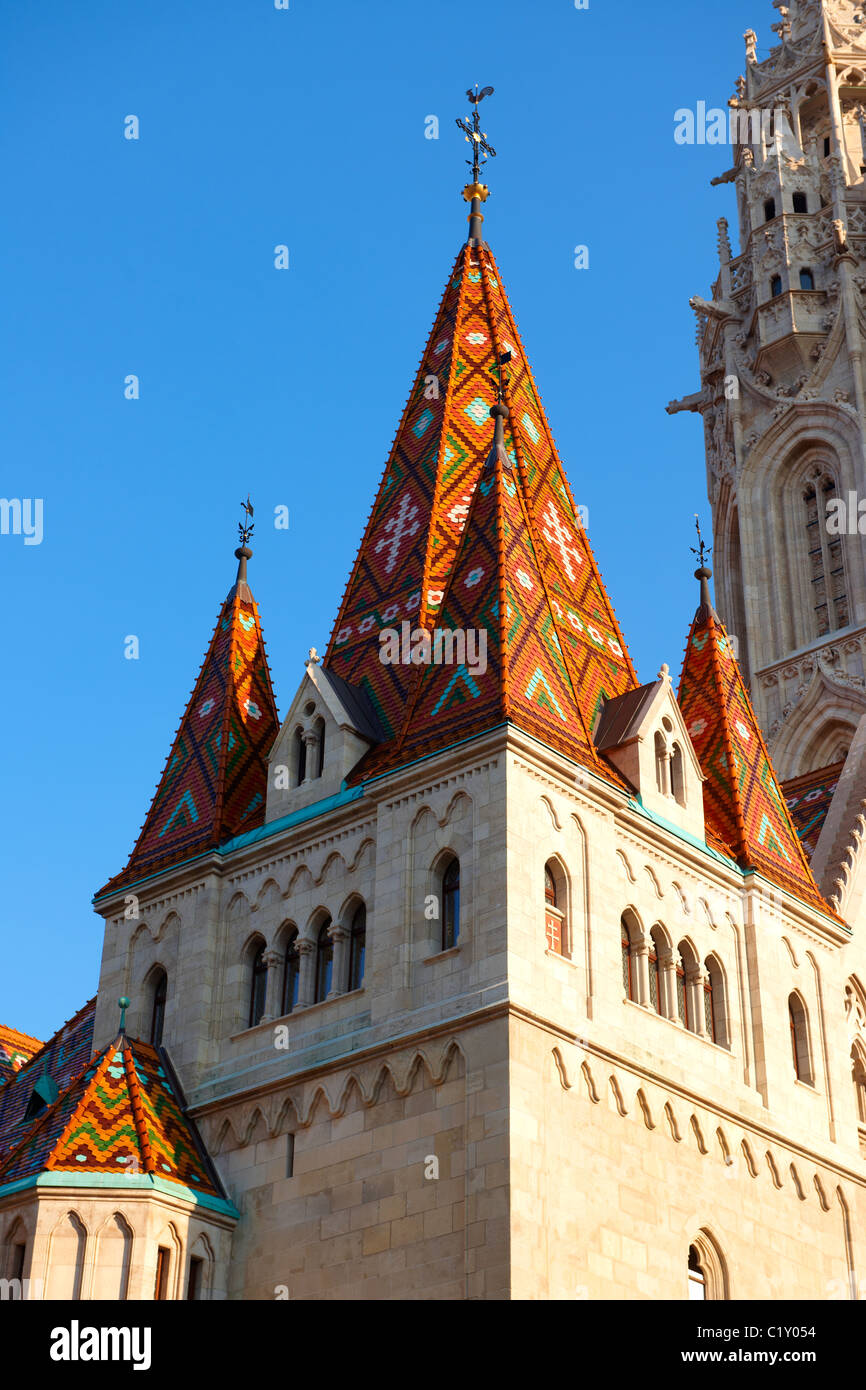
x=61 y=1058
x=16 y=1048
x=808 y=799
x=406 y=561
x=743 y=801
x=122 y=1115
x=214 y=784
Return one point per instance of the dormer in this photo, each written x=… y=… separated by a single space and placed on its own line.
x=644 y=735
x=328 y=729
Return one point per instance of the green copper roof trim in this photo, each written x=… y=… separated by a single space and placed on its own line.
x=636 y=803
x=344 y=797
x=135 y=1182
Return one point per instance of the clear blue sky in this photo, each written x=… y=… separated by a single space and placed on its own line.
x=155 y=257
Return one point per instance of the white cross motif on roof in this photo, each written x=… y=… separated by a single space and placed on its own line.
x=563 y=538
x=398 y=527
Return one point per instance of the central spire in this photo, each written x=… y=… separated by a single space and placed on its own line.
x=476 y=192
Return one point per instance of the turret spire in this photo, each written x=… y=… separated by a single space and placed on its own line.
x=476 y=192
x=704 y=575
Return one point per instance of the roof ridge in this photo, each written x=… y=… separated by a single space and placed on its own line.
x=137 y=1105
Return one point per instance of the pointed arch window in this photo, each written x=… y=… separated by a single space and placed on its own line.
x=258 y=986
x=324 y=962
x=299 y=749
x=157 y=1012
x=801 y=1051
x=826 y=561
x=858 y=1075
x=555 y=924
x=319 y=727
x=807 y=279
x=450 y=904
x=656 y=975
x=775 y=286
x=801 y=202
x=769 y=209
x=628 y=965
x=357 y=949
x=678 y=775
x=715 y=1005
x=697 y=1277
x=292 y=975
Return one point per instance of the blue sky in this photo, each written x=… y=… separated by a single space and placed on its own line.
x=305 y=127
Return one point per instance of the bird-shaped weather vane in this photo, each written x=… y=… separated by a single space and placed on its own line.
x=702 y=550
x=246 y=527
x=476 y=137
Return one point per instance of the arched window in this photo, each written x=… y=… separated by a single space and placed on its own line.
x=324 y=962
x=715 y=1004
x=685 y=969
x=807 y=279
x=775 y=286
x=656 y=976
x=629 y=971
x=157 y=1012
x=858 y=1075
x=319 y=727
x=450 y=904
x=357 y=949
x=555 y=924
x=292 y=974
x=800 y=1047
x=801 y=202
x=769 y=209
x=826 y=564
x=707 y=1272
x=697 y=1277
x=300 y=756
x=662 y=763
x=258 y=986
x=678 y=775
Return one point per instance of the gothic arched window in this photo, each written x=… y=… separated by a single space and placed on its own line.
x=800 y=1048
x=801 y=202
x=697 y=1277
x=769 y=209
x=555 y=925
x=826 y=563
x=258 y=986
x=858 y=1075
x=157 y=1013
x=807 y=279
x=775 y=286
x=450 y=904
x=292 y=975
x=715 y=1007
x=300 y=756
x=324 y=962
x=357 y=949
x=319 y=727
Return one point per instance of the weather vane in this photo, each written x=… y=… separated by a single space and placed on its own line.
x=702 y=551
x=476 y=137
x=246 y=527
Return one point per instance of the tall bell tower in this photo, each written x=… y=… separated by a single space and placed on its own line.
x=783 y=390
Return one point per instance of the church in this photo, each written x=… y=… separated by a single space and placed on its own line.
x=492 y=972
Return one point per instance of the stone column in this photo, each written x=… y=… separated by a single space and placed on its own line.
x=307 y=974
x=640 y=957
x=273 y=960
x=668 y=973
x=339 y=966
x=311 y=743
x=695 y=988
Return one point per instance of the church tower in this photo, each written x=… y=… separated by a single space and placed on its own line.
x=783 y=394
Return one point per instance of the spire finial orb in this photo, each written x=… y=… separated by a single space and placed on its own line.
x=476 y=192
x=123 y=1005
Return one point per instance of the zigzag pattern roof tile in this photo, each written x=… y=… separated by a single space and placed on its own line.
x=214 y=784
x=409 y=552
x=743 y=801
